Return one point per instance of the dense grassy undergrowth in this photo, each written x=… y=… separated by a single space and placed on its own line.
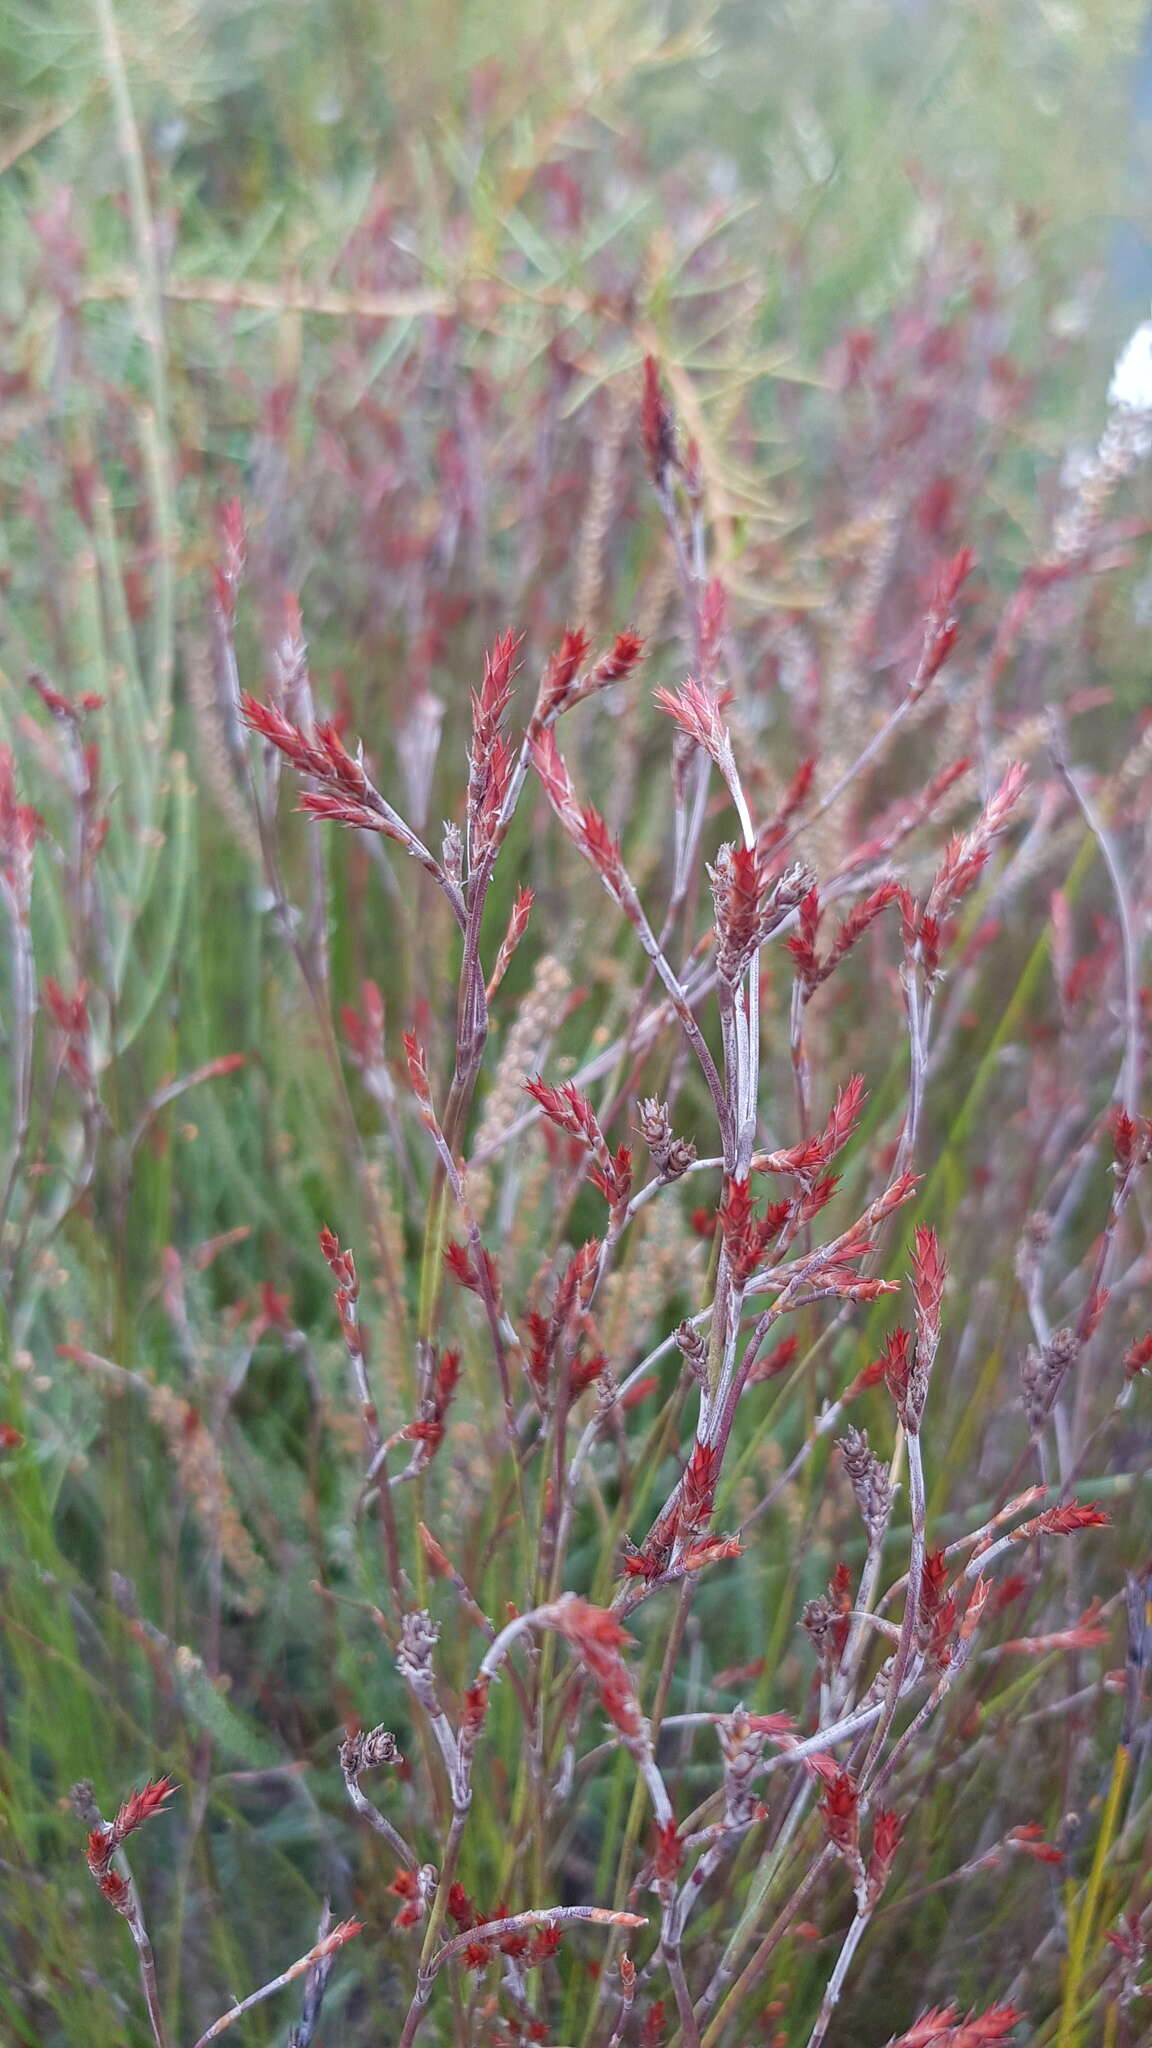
x=575 y=1322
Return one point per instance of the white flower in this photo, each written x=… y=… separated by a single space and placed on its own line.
x=1131 y=386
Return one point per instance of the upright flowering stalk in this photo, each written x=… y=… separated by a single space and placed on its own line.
x=109 y=1867
x=907 y=1367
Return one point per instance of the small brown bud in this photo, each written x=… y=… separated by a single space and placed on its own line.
x=693 y=1350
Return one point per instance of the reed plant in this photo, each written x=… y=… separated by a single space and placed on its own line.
x=575 y=877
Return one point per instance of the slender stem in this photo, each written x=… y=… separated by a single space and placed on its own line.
x=831 y=1997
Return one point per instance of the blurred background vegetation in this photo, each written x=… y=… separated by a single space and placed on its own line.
x=383 y=272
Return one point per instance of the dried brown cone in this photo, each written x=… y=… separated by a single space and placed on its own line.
x=671 y=1156
x=367 y=1750
x=1043 y=1372
x=869 y=1480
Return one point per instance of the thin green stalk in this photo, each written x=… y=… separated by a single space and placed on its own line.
x=1083 y=1925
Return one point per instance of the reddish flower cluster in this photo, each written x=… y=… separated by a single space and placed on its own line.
x=19 y=827
x=228 y=570
x=342 y=1266
x=345 y=795
x=750 y=904
x=936 y=1612
x=808 y=1160
x=584 y=826
x=490 y=758
x=907 y=1364
x=569 y=1325
x=529 y=1946
x=658 y=427
x=1138 y=1356
x=462 y=1267
x=429 y=1430
x=104 y=1841
x=1131 y=1142
x=944 y=2028
x=598 y=1638
x=840 y=1812
x=698 y=1490
x=571 y=1112
x=929 y=1272
x=562 y=685
x=517 y=926
x=774 y=1362
x=417 y=1063
x=364 y=1028
x=964 y=862
x=655 y=2020
x=696 y=710
x=941 y=628
x=1029 y=1839
x=1064 y=1521
x=64 y=709
x=812 y=969
x=69 y=1013
x=746 y=1235
x=826 y=1621
x=406 y=1885
x=887 y=1835
x=667 y=1857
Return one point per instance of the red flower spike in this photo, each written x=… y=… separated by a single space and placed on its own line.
x=567 y=1108
x=640 y=1392
x=930 y=1269
x=857 y=923
x=461 y=1908
x=802 y=944
x=775 y=1363
x=560 y=674
x=898 y=1367
x=476 y=1705
x=746 y=1235
x=116 y=1890
x=657 y=426
x=669 y=1854
x=459 y=1263
x=1064 y=1521
x=870 y=1376
x=944 y=2028
x=839 y=1810
x=1030 y=1840
x=1138 y=1356
x=517 y=926
x=598 y=1638
x=655 y=2020
x=545 y=1943
x=140 y=1806
x=438 y=1558
x=549 y=765
x=887 y=1834
x=626 y=651
x=697 y=713
x=713 y=617
x=602 y=850
x=718 y=1551
x=966 y=857
x=417 y=1061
